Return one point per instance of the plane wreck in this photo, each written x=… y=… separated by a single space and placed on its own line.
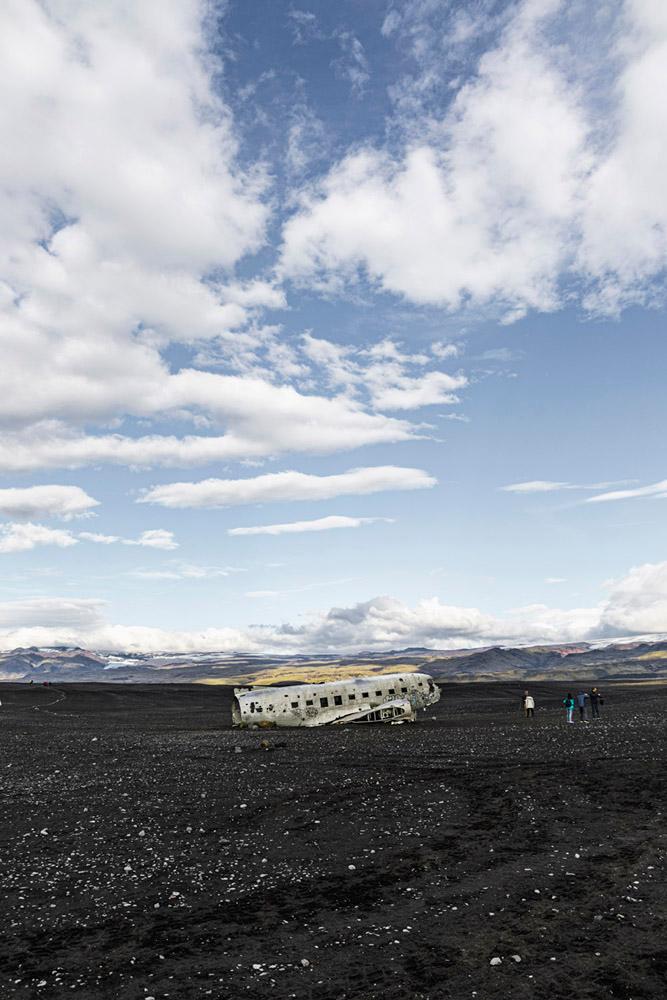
x=388 y=698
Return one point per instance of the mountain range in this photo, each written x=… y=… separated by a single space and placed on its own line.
x=620 y=659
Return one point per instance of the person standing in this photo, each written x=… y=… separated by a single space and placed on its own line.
x=529 y=705
x=596 y=700
x=581 y=704
x=568 y=701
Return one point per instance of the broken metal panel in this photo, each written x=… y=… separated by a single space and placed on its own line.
x=397 y=710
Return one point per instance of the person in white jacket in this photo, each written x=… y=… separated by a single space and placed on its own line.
x=528 y=705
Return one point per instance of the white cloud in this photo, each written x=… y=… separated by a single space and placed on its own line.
x=307 y=137
x=47 y=621
x=352 y=64
x=281 y=486
x=137 y=230
x=50 y=613
x=638 y=601
x=46 y=501
x=624 y=226
x=535 y=486
x=262 y=420
x=153 y=538
x=99 y=539
x=549 y=486
x=106 y=260
x=516 y=190
x=636 y=605
x=391 y=378
x=658 y=490
x=272 y=594
x=481 y=216
x=320 y=524
x=555 y=579
x=186 y=571
x=21 y=537
x=426 y=390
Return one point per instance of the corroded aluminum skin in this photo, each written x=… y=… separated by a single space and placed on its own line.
x=400 y=696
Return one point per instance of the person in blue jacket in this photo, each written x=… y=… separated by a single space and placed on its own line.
x=569 y=707
x=581 y=704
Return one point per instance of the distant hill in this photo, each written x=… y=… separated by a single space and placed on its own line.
x=624 y=658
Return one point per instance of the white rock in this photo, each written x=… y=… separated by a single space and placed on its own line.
x=517 y=958
x=352 y=868
x=305 y=963
x=496 y=961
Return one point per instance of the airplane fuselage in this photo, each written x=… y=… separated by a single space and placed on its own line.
x=381 y=698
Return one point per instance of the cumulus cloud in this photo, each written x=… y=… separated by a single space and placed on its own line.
x=427 y=390
x=103 y=257
x=319 y=524
x=386 y=375
x=263 y=420
x=281 y=486
x=516 y=188
x=636 y=604
x=624 y=236
x=46 y=501
x=107 y=260
x=21 y=537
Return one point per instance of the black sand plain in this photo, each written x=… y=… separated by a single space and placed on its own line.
x=148 y=850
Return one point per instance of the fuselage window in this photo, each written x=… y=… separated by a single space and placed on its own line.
x=351 y=697
x=252 y=706
x=309 y=701
x=294 y=704
x=324 y=702
x=378 y=694
x=364 y=694
x=404 y=690
x=338 y=699
x=392 y=690
x=419 y=684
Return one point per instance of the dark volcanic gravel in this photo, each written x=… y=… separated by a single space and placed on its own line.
x=147 y=850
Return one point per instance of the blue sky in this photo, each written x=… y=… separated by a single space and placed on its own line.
x=330 y=327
